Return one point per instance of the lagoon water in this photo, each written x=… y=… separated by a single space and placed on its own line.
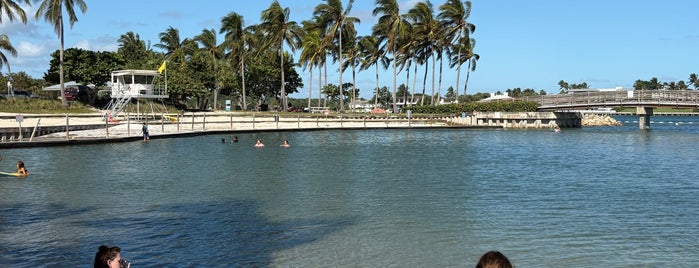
x=589 y=197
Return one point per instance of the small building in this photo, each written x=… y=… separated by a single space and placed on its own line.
x=133 y=84
x=137 y=84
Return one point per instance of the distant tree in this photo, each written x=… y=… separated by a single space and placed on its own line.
x=542 y=92
x=694 y=80
x=279 y=29
x=681 y=85
x=83 y=66
x=133 y=50
x=450 y=94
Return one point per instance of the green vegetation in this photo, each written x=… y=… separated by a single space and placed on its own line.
x=41 y=106
x=457 y=108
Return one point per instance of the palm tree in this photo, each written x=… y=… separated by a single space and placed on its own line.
x=6 y=46
x=207 y=39
x=466 y=55
x=371 y=53
x=454 y=16
x=175 y=49
x=237 y=40
x=334 y=20
x=133 y=49
x=11 y=9
x=694 y=80
x=279 y=29
x=310 y=56
x=390 y=27
x=426 y=28
x=322 y=50
x=352 y=55
x=52 y=11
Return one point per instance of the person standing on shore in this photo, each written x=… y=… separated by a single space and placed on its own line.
x=144 y=131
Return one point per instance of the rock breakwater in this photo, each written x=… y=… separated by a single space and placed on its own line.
x=599 y=120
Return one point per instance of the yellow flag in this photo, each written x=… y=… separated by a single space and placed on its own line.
x=161 y=68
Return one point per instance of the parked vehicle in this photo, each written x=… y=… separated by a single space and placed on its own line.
x=22 y=94
x=80 y=93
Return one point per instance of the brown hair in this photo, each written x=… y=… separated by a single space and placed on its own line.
x=104 y=255
x=493 y=259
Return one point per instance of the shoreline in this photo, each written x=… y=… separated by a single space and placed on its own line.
x=95 y=130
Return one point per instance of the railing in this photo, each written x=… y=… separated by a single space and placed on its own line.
x=658 y=98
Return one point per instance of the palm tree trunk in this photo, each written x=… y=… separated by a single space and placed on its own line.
x=458 y=72
x=342 y=96
x=395 y=107
x=412 y=95
x=60 y=66
x=325 y=73
x=283 y=92
x=468 y=73
x=439 y=85
x=376 y=96
x=433 y=63
x=242 y=75
x=424 y=83
x=354 y=82
x=320 y=84
x=310 y=86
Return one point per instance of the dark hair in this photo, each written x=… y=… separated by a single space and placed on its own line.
x=104 y=255
x=493 y=259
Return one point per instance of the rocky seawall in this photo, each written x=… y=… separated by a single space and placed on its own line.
x=599 y=120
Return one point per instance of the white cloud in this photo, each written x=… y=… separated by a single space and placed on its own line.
x=27 y=49
x=103 y=43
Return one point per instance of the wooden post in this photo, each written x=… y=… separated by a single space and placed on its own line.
x=162 y=122
x=364 y=121
x=106 y=126
x=231 y=120
x=253 y=120
x=203 y=122
x=67 y=127
x=128 y=125
x=34 y=131
x=298 y=121
x=192 y=120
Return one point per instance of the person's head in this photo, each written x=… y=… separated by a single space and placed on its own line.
x=20 y=164
x=108 y=257
x=493 y=259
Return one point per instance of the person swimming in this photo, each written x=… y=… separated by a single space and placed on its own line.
x=21 y=169
x=285 y=144
x=259 y=143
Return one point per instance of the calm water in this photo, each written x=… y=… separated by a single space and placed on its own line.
x=590 y=197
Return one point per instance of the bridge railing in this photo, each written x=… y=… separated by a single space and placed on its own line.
x=685 y=98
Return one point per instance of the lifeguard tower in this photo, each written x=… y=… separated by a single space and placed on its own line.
x=133 y=84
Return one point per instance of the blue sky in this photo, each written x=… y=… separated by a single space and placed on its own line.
x=526 y=44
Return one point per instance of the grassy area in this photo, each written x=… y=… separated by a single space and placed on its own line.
x=41 y=106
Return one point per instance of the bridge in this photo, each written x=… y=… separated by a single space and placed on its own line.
x=644 y=101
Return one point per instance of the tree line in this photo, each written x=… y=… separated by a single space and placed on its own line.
x=243 y=64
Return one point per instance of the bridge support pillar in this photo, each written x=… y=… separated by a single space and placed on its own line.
x=644 y=114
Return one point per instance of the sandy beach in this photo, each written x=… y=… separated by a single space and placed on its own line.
x=127 y=129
